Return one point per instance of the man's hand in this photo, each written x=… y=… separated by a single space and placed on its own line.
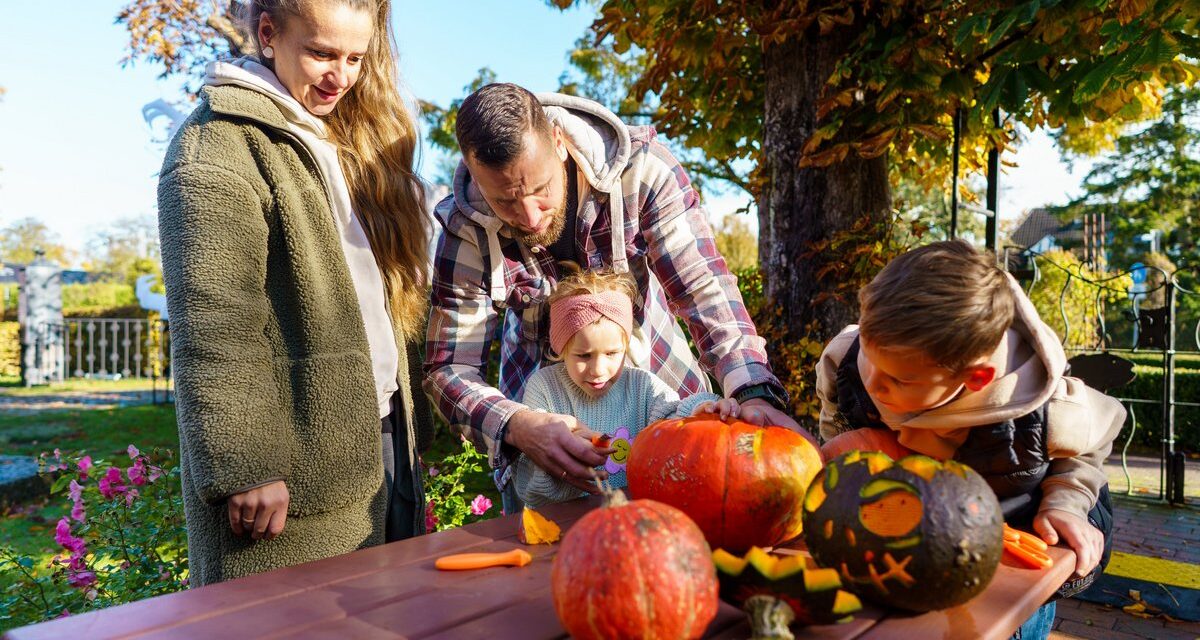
x=774 y=417
x=560 y=444
x=1078 y=533
x=261 y=511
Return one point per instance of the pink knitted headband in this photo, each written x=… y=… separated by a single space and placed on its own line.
x=572 y=313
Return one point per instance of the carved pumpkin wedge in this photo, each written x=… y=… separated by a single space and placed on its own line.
x=916 y=533
x=536 y=528
x=742 y=484
x=780 y=590
x=634 y=569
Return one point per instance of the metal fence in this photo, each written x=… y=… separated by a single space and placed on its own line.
x=1148 y=300
x=106 y=348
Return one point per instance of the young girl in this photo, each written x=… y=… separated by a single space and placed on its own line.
x=591 y=317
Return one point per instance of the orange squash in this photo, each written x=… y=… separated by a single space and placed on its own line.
x=742 y=484
x=637 y=569
x=866 y=439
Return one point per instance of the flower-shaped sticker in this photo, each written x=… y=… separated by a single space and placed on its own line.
x=621 y=441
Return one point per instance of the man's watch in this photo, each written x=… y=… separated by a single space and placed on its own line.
x=774 y=395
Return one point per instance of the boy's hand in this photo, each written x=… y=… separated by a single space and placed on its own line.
x=1078 y=533
x=725 y=407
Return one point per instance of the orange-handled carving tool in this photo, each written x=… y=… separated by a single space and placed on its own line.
x=468 y=561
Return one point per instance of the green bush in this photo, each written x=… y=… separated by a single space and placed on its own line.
x=10 y=349
x=100 y=300
x=91 y=300
x=1149 y=386
x=123 y=540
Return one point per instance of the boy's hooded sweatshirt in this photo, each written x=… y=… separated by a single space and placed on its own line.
x=1081 y=423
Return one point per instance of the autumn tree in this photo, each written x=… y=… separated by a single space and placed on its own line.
x=827 y=99
x=125 y=249
x=22 y=239
x=1151 y=181
x=183 y=35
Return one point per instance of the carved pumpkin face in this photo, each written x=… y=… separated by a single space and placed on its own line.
x=916 y=533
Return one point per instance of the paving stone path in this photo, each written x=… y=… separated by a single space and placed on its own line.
x=69 y=400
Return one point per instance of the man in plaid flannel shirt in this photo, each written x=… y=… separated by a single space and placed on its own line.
x=532 y=166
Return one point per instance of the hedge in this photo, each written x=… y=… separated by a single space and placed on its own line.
x=1149 y=386
x=91 y=300
x=10 y=349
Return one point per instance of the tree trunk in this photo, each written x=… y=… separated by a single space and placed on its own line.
x=802 y=207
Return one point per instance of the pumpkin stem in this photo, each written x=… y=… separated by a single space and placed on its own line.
x=612 y=497
x=769 y=618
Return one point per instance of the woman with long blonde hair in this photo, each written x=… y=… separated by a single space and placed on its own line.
x=294 y=254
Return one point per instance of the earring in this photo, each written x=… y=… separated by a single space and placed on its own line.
x=268 y=52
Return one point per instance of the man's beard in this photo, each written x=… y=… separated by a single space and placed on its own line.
x=558 y=218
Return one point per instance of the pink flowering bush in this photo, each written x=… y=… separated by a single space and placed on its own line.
x=447 y=505
x=122 y=540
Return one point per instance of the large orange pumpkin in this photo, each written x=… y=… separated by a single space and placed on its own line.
x=742 y=484
x=637 y=569
x=866 y=439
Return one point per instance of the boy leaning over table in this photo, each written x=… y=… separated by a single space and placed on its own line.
x=951 y=355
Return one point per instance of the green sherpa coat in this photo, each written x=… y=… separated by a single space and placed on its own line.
x=272 y=369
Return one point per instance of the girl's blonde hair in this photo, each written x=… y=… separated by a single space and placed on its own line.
x=580 y=283
x=377 y=141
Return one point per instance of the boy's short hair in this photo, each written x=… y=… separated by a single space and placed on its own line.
x=947 y=300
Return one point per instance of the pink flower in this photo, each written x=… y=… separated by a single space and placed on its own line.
x=431 y=519
x=480 y=505
x=433 y=471
x=62 y=535
x=130 y=497
x=85 y=463
x=137 y=473
x=133 y=452
x=112 y=485
x=77 y=512
x=76 y=494
x=81 y=579
x=155 y=473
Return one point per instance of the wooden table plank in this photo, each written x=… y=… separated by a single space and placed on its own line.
x=1014 y=594
x=394 y=591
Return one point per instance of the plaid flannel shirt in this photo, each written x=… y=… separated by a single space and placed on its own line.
x=671 y=253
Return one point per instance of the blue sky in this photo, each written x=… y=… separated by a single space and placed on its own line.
x=75 y=152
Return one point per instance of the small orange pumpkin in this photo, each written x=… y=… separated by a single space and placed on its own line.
x=637 y=569
x=866 y=439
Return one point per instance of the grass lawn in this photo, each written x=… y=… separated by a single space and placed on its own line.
x=11 y=386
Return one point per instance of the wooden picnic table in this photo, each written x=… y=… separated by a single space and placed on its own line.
x=394 y=591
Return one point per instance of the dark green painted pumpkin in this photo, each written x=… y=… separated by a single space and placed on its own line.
x=777 y=590
x=915 y=534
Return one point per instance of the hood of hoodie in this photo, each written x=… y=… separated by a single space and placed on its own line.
x=248 y=73
x=1029 y=363
x=597 y=140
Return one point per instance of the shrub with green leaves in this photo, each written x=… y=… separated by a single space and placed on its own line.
x=123 y=540
x=445 y=492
